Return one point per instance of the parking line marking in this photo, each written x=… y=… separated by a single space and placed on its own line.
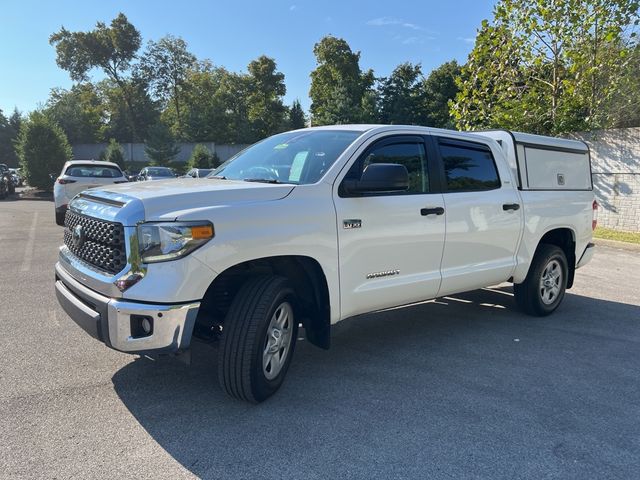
x=28 y=250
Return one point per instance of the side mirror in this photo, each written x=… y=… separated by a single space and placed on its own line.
x=379 y=178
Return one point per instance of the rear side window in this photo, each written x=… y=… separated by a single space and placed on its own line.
x=98 y=171
x=468 y=166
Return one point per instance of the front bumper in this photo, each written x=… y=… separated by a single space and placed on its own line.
x=115 y=322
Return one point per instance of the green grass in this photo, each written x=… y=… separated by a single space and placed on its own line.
x=609 y=234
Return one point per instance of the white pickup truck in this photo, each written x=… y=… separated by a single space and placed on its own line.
x=315 y=226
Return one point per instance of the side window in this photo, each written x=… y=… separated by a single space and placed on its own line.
x=468 y=167
x=410 y=154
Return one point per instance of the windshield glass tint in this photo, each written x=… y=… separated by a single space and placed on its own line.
x=100 y=171
x=292 y=157
x=159 y=172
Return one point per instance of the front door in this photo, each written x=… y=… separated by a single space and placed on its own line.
x=390 y=245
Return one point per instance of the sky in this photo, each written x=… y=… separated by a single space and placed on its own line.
x=232 y=33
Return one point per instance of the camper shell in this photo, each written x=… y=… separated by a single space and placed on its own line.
x=545 y=163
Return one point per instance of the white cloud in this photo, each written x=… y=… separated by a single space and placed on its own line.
x=292 y=8
x=467 y=39
x=383 y=21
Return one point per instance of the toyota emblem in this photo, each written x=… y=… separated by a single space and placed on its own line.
x=78 y=236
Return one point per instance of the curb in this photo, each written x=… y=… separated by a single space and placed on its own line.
x=631 y=247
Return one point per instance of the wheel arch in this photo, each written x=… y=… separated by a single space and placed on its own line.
x=565 y=239
x=305 y=275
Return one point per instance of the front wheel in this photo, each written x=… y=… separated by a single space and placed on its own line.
x=543 y=289
x=258 y=339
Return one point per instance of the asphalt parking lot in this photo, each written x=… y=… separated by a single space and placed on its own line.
x=463 y=387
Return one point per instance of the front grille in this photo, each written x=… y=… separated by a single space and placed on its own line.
x=101 y=242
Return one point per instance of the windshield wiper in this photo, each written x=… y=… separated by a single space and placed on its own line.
x=218 y=177
x=263 y=180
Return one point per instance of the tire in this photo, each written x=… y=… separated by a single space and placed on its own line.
x=247 y=369
x=543 y=290
x=60 y=218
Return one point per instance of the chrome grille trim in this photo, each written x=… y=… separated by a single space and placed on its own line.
x=104 y=244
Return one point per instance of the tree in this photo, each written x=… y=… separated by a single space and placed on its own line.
x=111 y=49
x=401 y=96
x=338 y=86
x=624 y=109
x=114 y=154
x=161 y=147
x=43 y=149
x=297 y=118
x=547 y=67
x=266 y=87
x=440 y=89
x=119 y=123
x=201 y=157
x=9 y=130
x=215 y=106
x=165 y=66
x=79 y=111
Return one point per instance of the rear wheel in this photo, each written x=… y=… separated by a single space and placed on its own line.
x=258 y=339
x=543 y=289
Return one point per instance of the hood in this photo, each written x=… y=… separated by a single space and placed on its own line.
x=161 y=198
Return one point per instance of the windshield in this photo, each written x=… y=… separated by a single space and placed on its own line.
x=294 y=157
x=159 y=172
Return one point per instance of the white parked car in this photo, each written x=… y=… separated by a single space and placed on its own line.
x=316 y=226
x=79 y=175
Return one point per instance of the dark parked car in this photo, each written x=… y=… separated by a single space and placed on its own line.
x=198 y=173
x=16 y=177
x=156 y=173
x=7 y=181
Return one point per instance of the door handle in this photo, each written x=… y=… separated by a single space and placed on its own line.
x=511 y=206
x=431 y=211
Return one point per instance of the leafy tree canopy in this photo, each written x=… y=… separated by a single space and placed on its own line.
x=547 y=67
x=43 y=149
x=339 y=89
x=297 y=118
x=165 y=67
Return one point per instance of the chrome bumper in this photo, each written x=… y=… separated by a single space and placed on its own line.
x=115 y=321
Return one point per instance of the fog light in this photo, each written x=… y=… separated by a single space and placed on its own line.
x=146 y=325
x=141 y=326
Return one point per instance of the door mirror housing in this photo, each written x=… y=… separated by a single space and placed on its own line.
x=379 y=178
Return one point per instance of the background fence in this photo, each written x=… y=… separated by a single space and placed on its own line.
x=134 y=152
x=615 y=163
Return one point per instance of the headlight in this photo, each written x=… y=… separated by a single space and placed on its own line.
x=164 y=241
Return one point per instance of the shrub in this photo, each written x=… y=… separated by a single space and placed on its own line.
x=42 y=148
x=161 y=146
x=114 y=153
x=201 y=157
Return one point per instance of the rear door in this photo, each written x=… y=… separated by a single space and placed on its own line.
x=483 y=215
x=390 y=244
